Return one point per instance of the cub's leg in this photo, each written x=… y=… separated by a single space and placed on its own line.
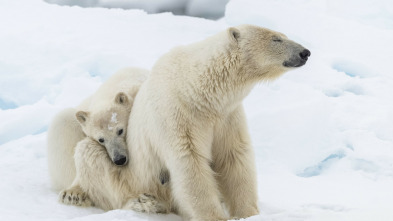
x=97 y=176
x=108 y=185
x=75 y=196
x=234 y=163
x=63 y=135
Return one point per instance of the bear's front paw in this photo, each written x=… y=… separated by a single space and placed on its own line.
x=147 y=204
x=76 y=197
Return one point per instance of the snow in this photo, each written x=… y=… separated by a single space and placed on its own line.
x=322 y=134
x=212 y=9
x=112 y=121
x=114 y=117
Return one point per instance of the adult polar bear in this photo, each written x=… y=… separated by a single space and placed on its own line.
x=188 y=118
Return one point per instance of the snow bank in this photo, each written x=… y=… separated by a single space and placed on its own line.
x=211 y=9
x=323 y=134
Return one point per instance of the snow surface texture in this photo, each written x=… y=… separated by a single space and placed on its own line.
x=212 y=9
x=323 y=134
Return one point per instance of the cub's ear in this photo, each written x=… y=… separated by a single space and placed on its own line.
x=121 y=98
x=81 y=116
x=234 y=34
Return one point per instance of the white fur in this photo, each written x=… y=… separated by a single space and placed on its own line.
x=65 y=131
x=107 y=186
x=188 y=119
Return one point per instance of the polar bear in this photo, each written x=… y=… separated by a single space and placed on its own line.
x=102 y=118
x=98 y=181
x=188 y=120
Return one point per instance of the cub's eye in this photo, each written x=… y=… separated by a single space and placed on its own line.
x=120 y=132
x=101 y=140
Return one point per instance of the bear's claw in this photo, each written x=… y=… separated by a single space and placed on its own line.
x=76 y=197
x=146 y=203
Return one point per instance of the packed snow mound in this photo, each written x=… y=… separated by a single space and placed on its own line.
x=323 y=134
x=211 y=9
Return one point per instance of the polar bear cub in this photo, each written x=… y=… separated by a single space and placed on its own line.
x=100 y=120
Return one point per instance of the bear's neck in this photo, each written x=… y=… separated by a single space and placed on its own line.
x=218 y=87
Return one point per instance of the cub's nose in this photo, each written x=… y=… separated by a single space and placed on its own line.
x=120 y=160
x=305 y=54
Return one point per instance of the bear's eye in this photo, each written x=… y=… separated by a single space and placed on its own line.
x=277 y=39
x=101 y=140
x=120 y=132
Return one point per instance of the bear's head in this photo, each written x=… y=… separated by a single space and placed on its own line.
x=266 y=54
x=108 y=127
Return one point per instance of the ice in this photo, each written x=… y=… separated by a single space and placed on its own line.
x=206 y=8
x=322 y=134
x=212 y=9
x=324 y=164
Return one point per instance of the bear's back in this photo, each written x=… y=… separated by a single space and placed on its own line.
x=127 y=80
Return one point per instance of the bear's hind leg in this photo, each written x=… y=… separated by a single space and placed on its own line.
x=63 y=135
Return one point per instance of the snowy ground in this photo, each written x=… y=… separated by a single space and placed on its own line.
x=212 y=9
x=323 y=134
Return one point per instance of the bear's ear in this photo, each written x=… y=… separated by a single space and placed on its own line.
x=121 y=98
x=234 y=34
x=81 y=116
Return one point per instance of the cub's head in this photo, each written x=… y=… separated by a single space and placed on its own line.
x=266 y=54
x=107 y=125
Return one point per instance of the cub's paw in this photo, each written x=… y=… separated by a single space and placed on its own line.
x=76 y=197
x=146 y=203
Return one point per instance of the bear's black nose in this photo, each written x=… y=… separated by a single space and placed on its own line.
x=120 y=160
x=305 y=54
